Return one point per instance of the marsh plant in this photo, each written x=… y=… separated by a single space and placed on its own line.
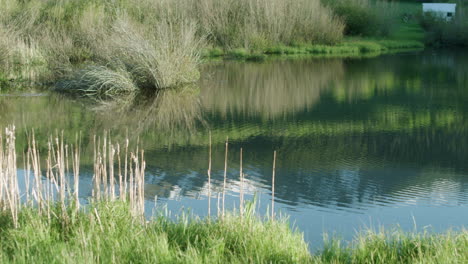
x=47 y=221
x=47 y=216
x=108 y=48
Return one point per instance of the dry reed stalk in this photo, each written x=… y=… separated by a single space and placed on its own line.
x=27 y=165
x=124 y=195
x=104 y=166
x=241 y=196
x=37 y=192
x=111 y=171
x=141 y=188
x=58 y=178
x=225 y=175
x=10 y=195
x=76 y=172
x=209 y=181
x=273 y=187
x=67 y=170
x=60 y=167
x=131 y=183
x=96 y=177
x=218 y=208
x=2 y=176
x=120 y=171
x=9 y=189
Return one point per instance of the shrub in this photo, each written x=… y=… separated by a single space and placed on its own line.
x=156 y=42
x=440 y=32
x=249 y=23
x=365 y=17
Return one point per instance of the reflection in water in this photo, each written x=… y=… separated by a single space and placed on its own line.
x=170 y=111
x=270 y=90
x=384 y=137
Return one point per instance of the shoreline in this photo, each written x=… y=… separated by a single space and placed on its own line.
x=348 y=48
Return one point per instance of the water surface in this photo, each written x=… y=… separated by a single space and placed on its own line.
x=361 y=142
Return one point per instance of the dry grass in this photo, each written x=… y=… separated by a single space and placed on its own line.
x=101 y=82
x=55 y=187
x=156 y=42
x=256 y=24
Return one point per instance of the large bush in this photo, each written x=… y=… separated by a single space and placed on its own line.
x=365 y=17
x=440 y=32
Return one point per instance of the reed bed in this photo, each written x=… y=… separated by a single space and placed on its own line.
x=47 y=216
x=51 y=186
x=46 y=223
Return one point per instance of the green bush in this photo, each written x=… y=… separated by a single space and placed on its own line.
x=440 y=32
x=365 y=17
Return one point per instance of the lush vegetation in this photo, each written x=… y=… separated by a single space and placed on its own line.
x=366 y=17
x=113 y=48
x=107 y=48
x=107 y=233
x=443 y=32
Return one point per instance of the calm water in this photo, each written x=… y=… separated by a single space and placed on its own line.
x=361 y=142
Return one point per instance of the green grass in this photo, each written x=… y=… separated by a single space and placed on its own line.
x=407 y=35
x=349 y=47
x=108 y=233
x=371 y=246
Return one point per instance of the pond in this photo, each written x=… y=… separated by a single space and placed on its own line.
x=363 y=142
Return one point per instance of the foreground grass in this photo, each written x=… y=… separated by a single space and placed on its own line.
x=109 y=233
x=398 y=247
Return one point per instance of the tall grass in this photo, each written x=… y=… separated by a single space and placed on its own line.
x=151 y=44
x=395 y=246
x=255 y=24
x=45 y=222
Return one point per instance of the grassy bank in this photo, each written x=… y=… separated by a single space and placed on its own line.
x=108 y=233
x=350 y=47
x=106 y=49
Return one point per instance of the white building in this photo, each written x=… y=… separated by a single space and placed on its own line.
x=446 y=11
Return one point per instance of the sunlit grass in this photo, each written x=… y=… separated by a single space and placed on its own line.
x=50 y=224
